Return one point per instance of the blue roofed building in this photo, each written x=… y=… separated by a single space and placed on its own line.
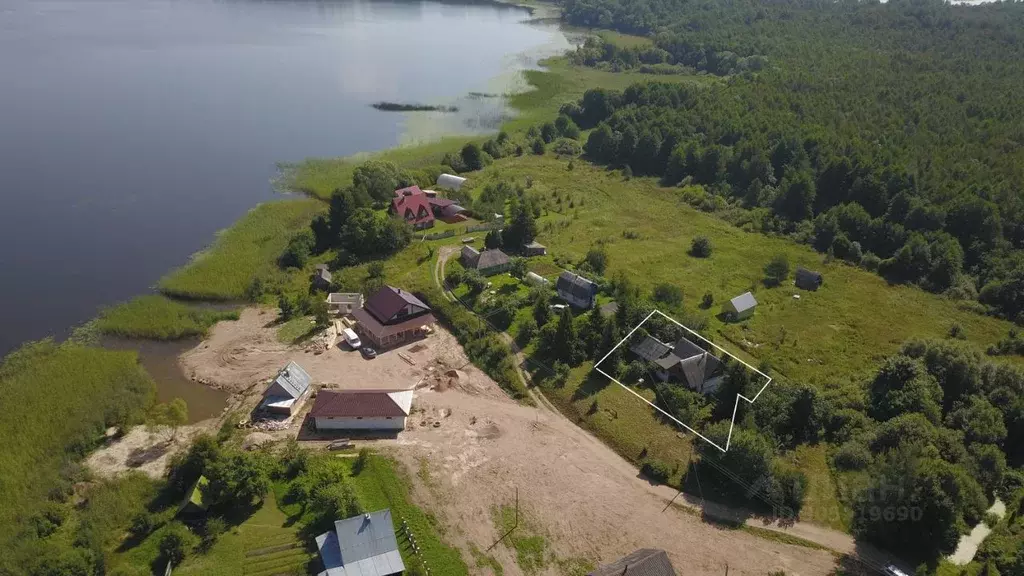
x=287 y=392
x=363 y=545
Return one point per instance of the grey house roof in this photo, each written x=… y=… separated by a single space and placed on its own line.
x=491 y=259
x=651 y=349
x=575 y=285
x=363 y=545
x=470 y=256
x=643 y=562
x=685 y=348
x=743 y=302
x=291 y=382
x=323 y=273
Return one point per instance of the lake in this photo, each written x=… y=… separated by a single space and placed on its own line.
x=132 y=130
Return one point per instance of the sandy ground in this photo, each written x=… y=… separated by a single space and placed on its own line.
x=143 y=450
x=583 y=497
x=242 y=357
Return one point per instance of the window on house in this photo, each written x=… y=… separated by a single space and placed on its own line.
x=359 y=417
x=390 y=418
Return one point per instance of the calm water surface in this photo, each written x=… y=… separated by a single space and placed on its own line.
x=132 y=130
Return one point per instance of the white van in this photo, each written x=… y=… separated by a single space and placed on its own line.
x=351 y=338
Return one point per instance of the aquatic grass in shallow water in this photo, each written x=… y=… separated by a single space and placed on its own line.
x=159 y=318
x=249 y=248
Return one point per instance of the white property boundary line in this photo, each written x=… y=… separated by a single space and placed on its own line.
x=735 y=407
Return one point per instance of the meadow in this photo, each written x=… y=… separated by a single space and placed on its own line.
x=157 y=317
x=59 y=400
x=248 y=249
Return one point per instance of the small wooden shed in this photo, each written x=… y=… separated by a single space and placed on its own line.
x=808 y=279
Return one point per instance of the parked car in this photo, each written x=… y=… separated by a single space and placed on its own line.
x=558 y=307
x=351 y=338
x=891 y=570
x=368 y=352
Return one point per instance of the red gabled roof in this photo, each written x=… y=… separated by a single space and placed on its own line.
x=355 y=403
x=412 y=201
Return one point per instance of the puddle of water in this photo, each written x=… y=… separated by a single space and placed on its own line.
x=161 y=361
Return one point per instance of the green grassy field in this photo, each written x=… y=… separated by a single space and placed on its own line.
x=240 y=253
x=159 y=318
x=833 y=337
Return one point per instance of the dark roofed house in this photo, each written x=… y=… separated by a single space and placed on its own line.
x=361 y=409
x=392 y=316
x=363 y=545
x=322 y=277
x=469 y=257
x=651 y=349
x=413 y=206
x=576 y=290
x=686 y=362
x=490 y=262
x=288 y=391
x=643 y=562
x=807 y=279
x=444 y=208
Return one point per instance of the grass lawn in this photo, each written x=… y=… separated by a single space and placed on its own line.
x=821 y=503
x=295 y=330
x=257 y=547
x=240 y=253
x=159 y=318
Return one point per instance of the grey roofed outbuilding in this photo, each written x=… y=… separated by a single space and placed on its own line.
x=808 y=279
x=651 y=349
x=363 y=545
x=291 y=382
x=643 y=562
x=743 y=302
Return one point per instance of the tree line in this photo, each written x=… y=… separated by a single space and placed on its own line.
x=885 y=134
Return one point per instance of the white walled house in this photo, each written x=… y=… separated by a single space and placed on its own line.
x=384 y=410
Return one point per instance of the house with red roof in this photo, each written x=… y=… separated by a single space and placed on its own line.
x=413 y=206
x=361 y=409
x=392 y=317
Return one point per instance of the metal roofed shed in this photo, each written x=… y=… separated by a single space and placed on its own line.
x=363 y=545
x=808 y=279
x=535 y=249
x=450 y=181
x=287 y=391
x=740 y=307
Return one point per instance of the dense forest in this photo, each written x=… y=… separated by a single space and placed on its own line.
x=888 y=135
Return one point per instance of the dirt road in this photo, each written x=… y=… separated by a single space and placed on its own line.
x=582 y=498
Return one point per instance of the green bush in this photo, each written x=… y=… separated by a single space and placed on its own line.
x=700 y=247
x=852 y=456
x=656 y=470
x=176 y=543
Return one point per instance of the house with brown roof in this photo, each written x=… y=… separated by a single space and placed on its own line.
x=391 y=317
x=413 y=206
x=361 y=409
x=643 y=562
